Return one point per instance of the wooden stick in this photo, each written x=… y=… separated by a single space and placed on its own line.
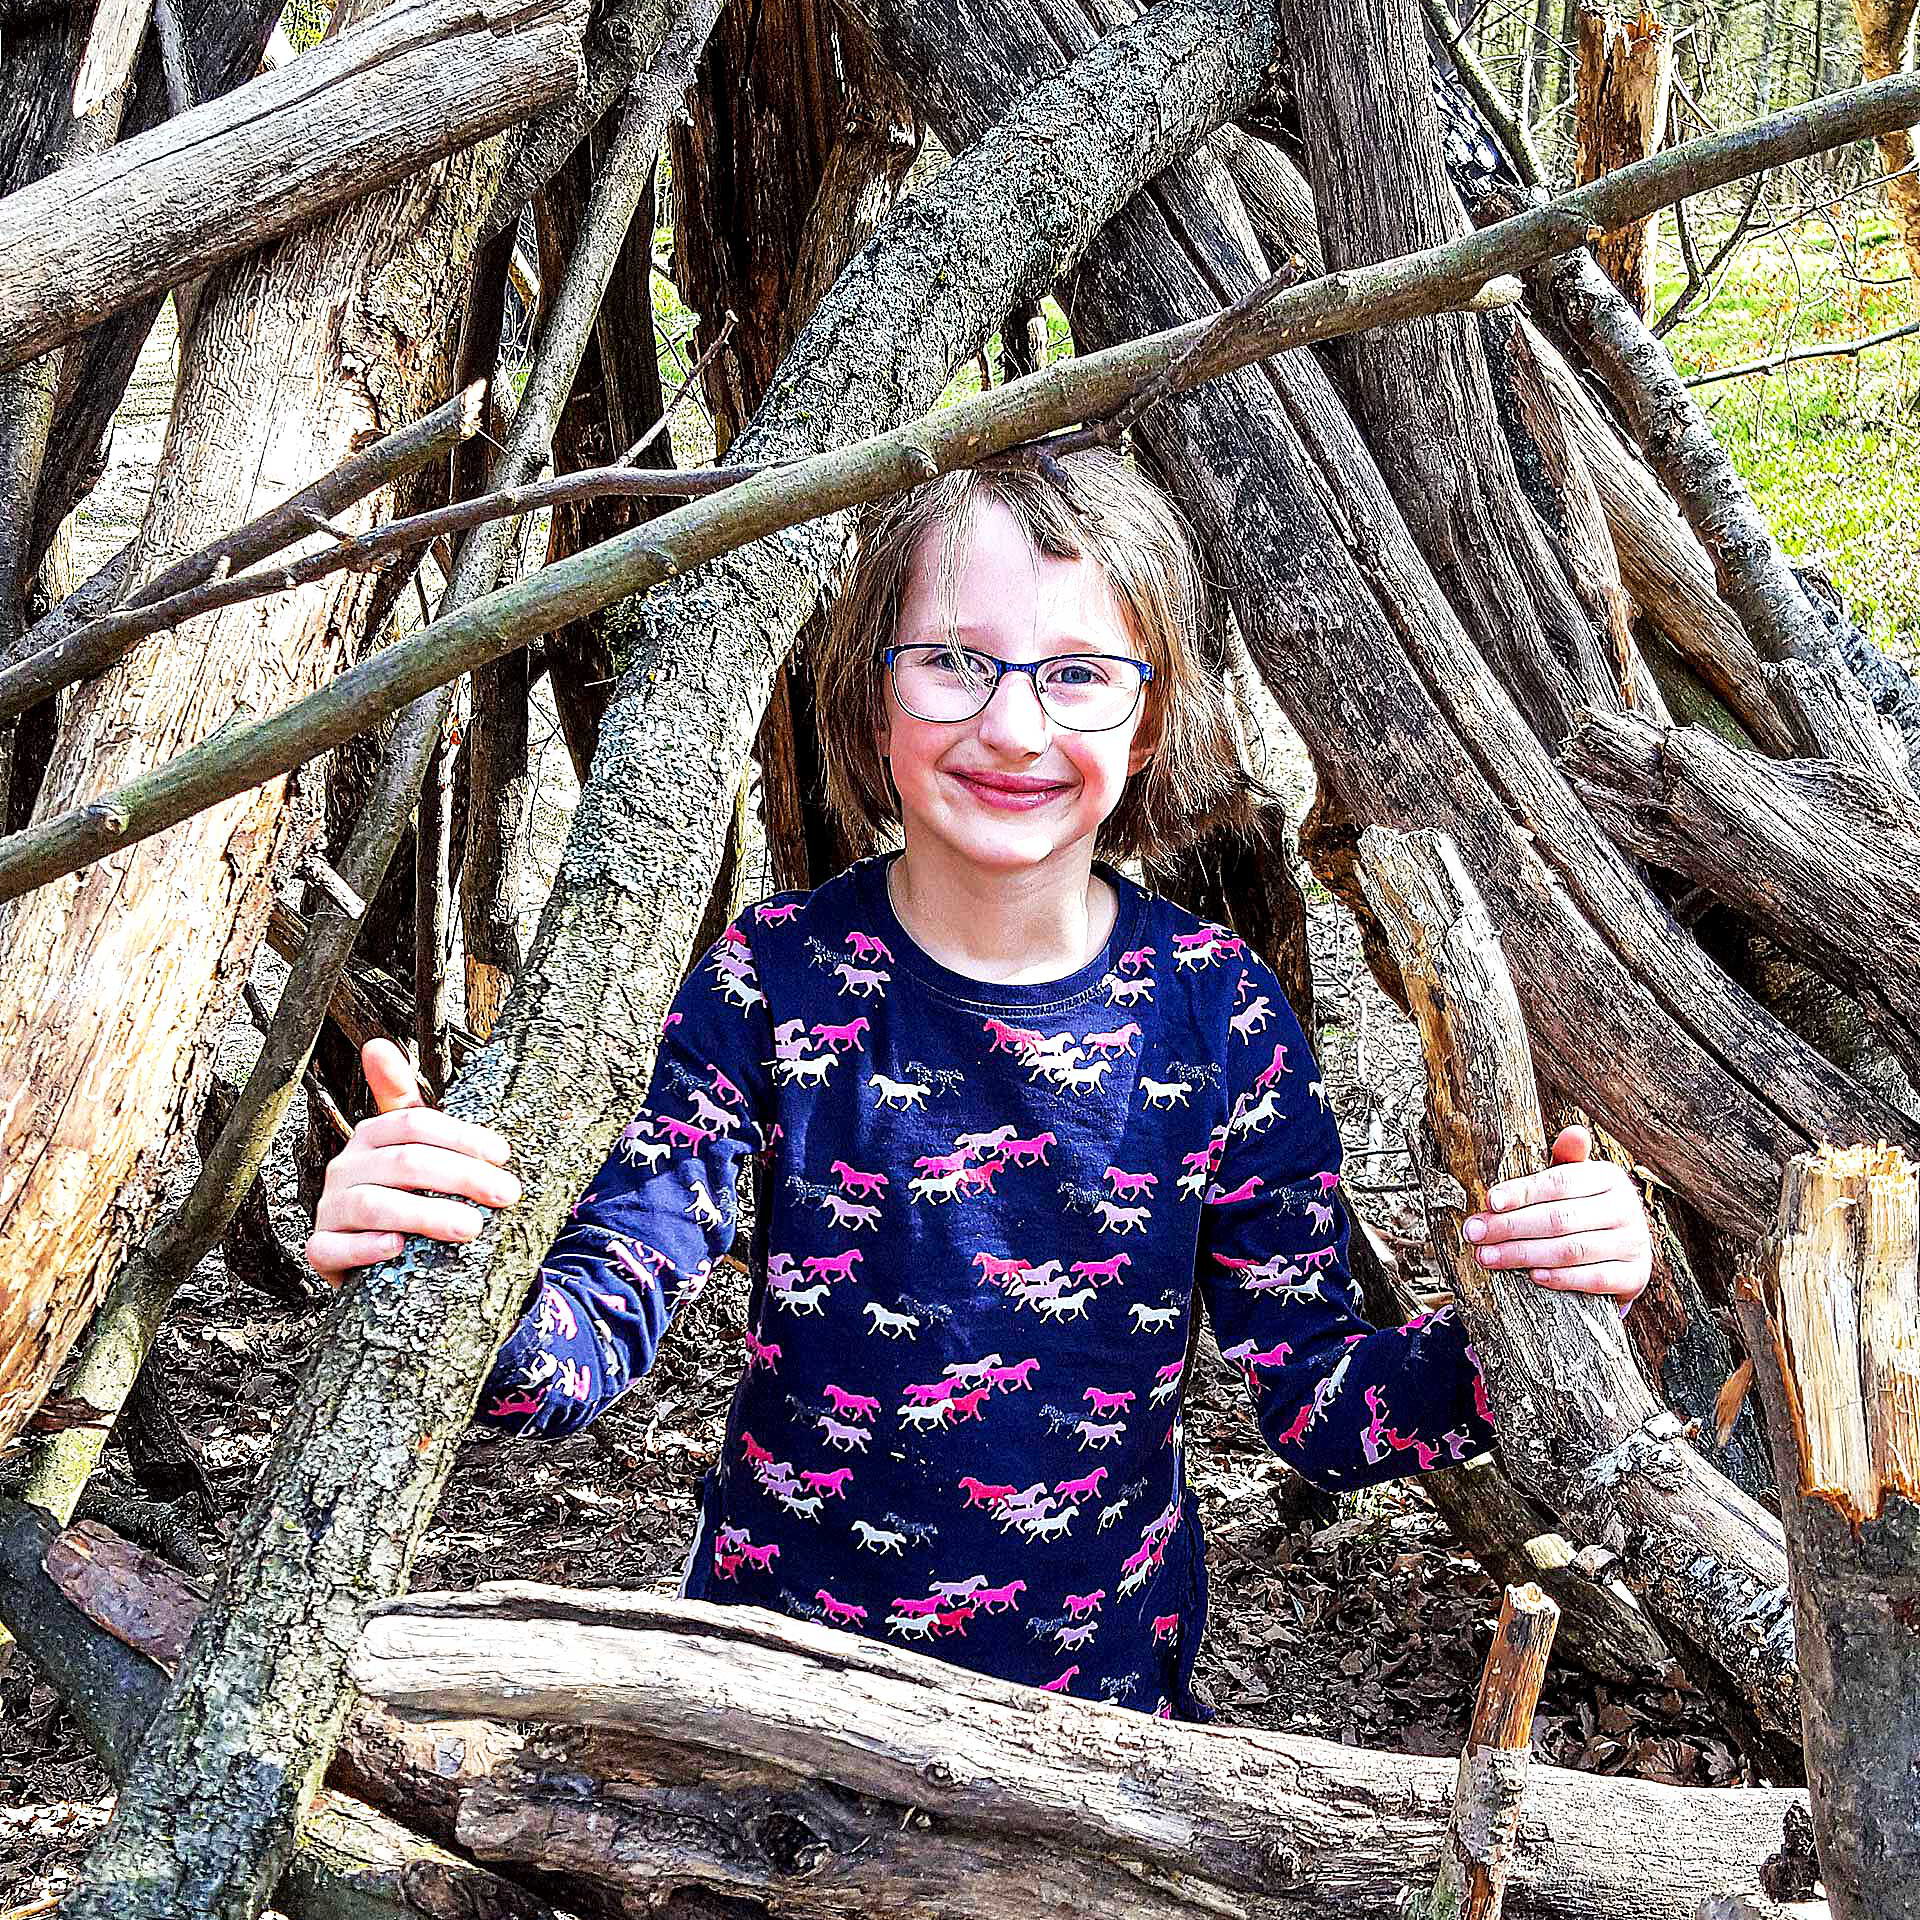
x=1484 y=1831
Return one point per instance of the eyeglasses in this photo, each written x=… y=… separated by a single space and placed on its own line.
x=1083 y=692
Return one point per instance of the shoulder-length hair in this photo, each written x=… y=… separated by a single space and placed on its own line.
x=1090 y=502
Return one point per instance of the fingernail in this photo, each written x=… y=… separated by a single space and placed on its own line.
x=1476 y=1228
x=1497 y=1197
x=1489 y=1255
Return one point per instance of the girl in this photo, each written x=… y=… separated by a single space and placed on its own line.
x=1011 y=1112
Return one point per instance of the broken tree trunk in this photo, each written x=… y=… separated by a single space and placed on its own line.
x=280 y=380
x=1886 y=38
x=1052 y=1807
x=366 y=1448
x=1826 y=858
x=360 y=112
x=1620 y=115
x=1833 y=1321
x=1573 y=1419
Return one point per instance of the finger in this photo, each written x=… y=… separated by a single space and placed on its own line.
x=390 y=1077
x=1571 y=1145
x=1591 y=1213
x=1565 y=1250
x=335 y=1255
x=421 y=1169
x=1621 y=1279
x=432 y=1128
x=1569 y=1180
x=371 y=1209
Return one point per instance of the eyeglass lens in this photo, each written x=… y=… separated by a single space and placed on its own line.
x=1084 y=692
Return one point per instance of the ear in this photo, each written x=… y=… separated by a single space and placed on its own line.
x=1146 y=742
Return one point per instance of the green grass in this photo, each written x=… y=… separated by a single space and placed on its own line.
x=1830 y=448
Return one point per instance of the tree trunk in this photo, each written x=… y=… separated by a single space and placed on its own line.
x=1886 y=31
x=364 y=110
x=1626 y=77
x=278 y=383
x=368 y=1445
x=1832 y=1319
x=1049 y=1807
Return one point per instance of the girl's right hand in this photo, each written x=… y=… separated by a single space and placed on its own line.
x=385 y=1182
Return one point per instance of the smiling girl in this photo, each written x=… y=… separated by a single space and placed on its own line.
x=1016 y=1118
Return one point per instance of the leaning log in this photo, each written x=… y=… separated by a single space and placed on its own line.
x=1832 y=1318
x=1826 y=858
x=1574 y=1421
x=362 y=111
x=782 y=1760
x=367 y=1446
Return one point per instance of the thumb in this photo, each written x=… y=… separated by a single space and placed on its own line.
x=390 y=1077
x=1571 y=1144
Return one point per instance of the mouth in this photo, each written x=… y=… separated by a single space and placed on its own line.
x=1006 y=792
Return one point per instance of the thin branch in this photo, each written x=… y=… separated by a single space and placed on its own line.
x=1774 y=362
x=1486 y=96
x=1442 y=279
x=685 y=391
x=71 y=643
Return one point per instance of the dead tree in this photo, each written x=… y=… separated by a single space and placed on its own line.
x=1625 y=68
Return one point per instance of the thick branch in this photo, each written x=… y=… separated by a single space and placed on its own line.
x=378 y=102
x=1455 y=275
x=1574 y=1420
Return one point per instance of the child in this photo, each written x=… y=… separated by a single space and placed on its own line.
x=1010 y=1111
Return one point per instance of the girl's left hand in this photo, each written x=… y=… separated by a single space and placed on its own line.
x=1579 y=1226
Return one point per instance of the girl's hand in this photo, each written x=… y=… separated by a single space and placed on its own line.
x=1579 y=1226
x=382 y=1184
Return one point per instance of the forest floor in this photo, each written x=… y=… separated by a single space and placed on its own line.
x=1358 y=1621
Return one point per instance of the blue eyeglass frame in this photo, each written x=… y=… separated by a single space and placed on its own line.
x=1032 y=669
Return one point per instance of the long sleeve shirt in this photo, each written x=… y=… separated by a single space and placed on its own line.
x=986 y=1213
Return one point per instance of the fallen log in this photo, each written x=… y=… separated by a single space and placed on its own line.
x=1826 y=858
x=676 y=1742
x=1832 y=1319
x=360 y=112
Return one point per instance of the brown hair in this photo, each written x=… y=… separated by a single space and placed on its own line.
x=1092 y=503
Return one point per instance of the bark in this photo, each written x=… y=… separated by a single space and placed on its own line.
x=779 y=1761
x=1831 y=1319
x=1423 y=393
x=1575 y=1424
x=1886 y=34
x=1620 y=115
x=277 y=382
x=367 y=1446
x=1826 y=859
x=360 y=112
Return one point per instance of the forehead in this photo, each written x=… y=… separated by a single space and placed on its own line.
x=987 y=580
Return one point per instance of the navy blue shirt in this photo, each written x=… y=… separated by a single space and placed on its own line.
x=985 y=1213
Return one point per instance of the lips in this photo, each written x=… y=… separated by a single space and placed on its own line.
x=1007 y=792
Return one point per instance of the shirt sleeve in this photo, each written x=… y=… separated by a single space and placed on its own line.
x=641 y=1242
x=1344 y=1403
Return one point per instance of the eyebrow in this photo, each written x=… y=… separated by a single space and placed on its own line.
x=942 y=634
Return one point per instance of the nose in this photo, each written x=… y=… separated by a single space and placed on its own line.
x=1013 y=720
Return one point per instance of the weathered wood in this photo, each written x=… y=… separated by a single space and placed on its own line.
x=367 y=1445
x=1424 y=393
x=1574 y=1421
x=1826 y=858
x=363 y=110
x=726 y=1719
x=1490 y=1790
x=1833 y=1321
x=1886 y=37
x=1625 y=68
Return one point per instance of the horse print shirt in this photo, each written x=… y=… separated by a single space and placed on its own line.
x=985 y=1212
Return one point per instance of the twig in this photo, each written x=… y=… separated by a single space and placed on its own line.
x=1486 y=96
x=686 y=388
x=1442 y=279
x=70 y=644
x=1774 y=362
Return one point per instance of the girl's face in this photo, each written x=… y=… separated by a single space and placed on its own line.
x=1009 y=790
